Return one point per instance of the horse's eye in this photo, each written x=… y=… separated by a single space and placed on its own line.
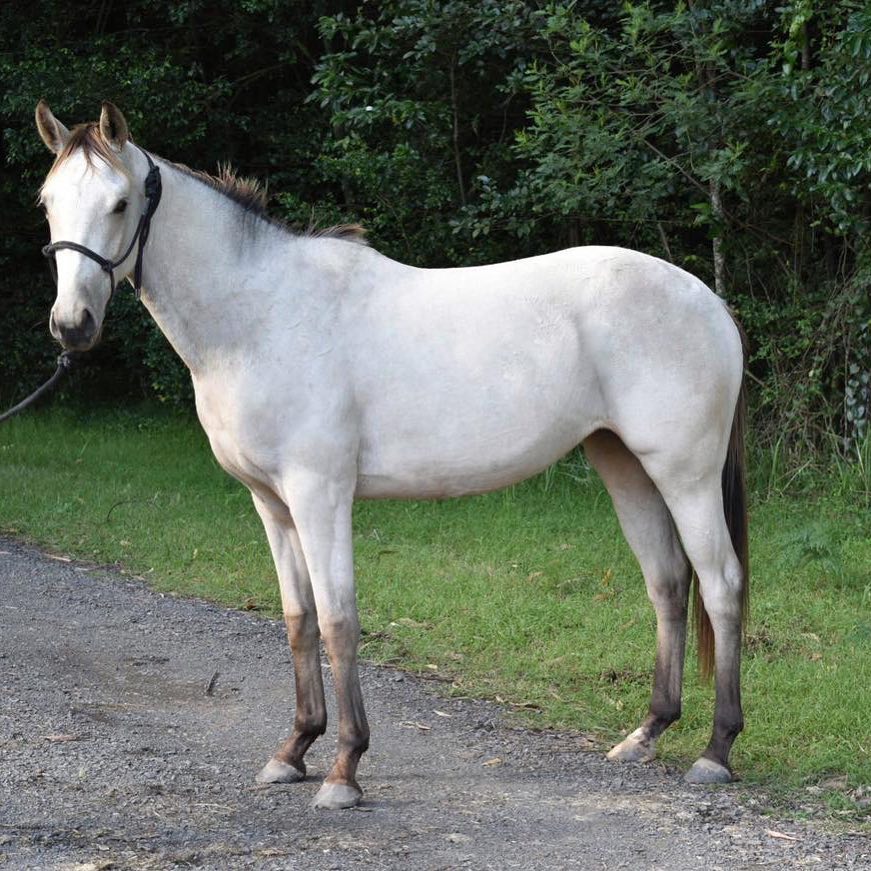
x=120 y=207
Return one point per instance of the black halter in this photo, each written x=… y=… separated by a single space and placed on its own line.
x=153 y=189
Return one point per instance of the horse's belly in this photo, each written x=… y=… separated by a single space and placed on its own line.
x=454 y=477
x=436 y=450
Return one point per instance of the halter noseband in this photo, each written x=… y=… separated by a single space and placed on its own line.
x=153 y=189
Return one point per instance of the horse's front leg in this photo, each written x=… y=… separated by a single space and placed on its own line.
x=321 y=508
x=298 y=604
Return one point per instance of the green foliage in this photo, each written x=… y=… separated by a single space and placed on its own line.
x=422 y=100
x=729 y=137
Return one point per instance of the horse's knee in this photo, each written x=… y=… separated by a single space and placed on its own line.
x=340 y=634
x=302 y=631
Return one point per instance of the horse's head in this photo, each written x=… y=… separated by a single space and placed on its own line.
x=92 y=201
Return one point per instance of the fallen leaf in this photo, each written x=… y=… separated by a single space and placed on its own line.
x=422 y=726
x=783 y=836
x=496 y=760
x=60 y=559
x=441 y=713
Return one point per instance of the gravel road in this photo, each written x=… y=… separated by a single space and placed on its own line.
x=115 y=752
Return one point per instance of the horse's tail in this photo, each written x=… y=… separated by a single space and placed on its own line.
x=735 y=508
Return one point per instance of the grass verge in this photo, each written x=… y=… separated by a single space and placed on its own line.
x=529 y=595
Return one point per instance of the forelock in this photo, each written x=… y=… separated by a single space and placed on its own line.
x=86 y=139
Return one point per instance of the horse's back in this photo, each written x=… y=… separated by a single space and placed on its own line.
x=471 y=378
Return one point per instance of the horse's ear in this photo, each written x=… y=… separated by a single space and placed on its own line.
x=113 y=126
x=52 y=132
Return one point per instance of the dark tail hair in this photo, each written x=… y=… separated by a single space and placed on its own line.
x=735 y=509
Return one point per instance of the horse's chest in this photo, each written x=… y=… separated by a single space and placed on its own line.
x=246 y=459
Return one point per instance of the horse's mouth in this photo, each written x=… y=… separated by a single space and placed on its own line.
x=82 y=337
x=79 y=343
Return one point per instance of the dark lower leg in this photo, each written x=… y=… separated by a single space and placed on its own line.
x=640 y=745
x=341 y=643
x=311 y=712
x=728 y=716
x=665 y=703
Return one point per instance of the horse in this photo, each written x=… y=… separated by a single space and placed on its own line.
x=326 y=372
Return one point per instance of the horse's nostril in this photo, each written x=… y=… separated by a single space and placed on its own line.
x=89 y=324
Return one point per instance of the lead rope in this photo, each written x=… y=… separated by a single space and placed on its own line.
x=64 y=364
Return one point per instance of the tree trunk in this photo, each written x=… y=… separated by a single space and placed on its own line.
x=457 y=156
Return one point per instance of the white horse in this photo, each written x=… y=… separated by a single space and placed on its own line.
x=326 y=372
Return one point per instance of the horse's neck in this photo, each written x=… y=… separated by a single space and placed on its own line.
x=206 y=271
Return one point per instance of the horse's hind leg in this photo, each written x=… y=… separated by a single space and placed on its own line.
x=697 y=509
x=648 y=527
x=300 y=616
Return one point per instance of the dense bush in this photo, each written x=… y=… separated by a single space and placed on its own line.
x=730 y=137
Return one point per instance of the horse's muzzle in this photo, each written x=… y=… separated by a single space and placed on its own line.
x=76 y=337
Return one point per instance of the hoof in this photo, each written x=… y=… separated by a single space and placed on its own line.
x=335 y=796
x=636 y=748
x=276 y=771
x=707 y=771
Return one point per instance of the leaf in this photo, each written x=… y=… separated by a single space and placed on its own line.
x=783 y=836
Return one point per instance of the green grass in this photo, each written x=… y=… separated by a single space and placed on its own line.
x=529 y=595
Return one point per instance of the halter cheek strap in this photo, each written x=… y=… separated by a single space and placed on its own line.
x=153 y=190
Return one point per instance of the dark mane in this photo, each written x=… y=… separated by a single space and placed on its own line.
x=252 y=196
x=246 y=192
x=348 y=232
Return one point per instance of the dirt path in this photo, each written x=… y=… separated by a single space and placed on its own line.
x=113 y=754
